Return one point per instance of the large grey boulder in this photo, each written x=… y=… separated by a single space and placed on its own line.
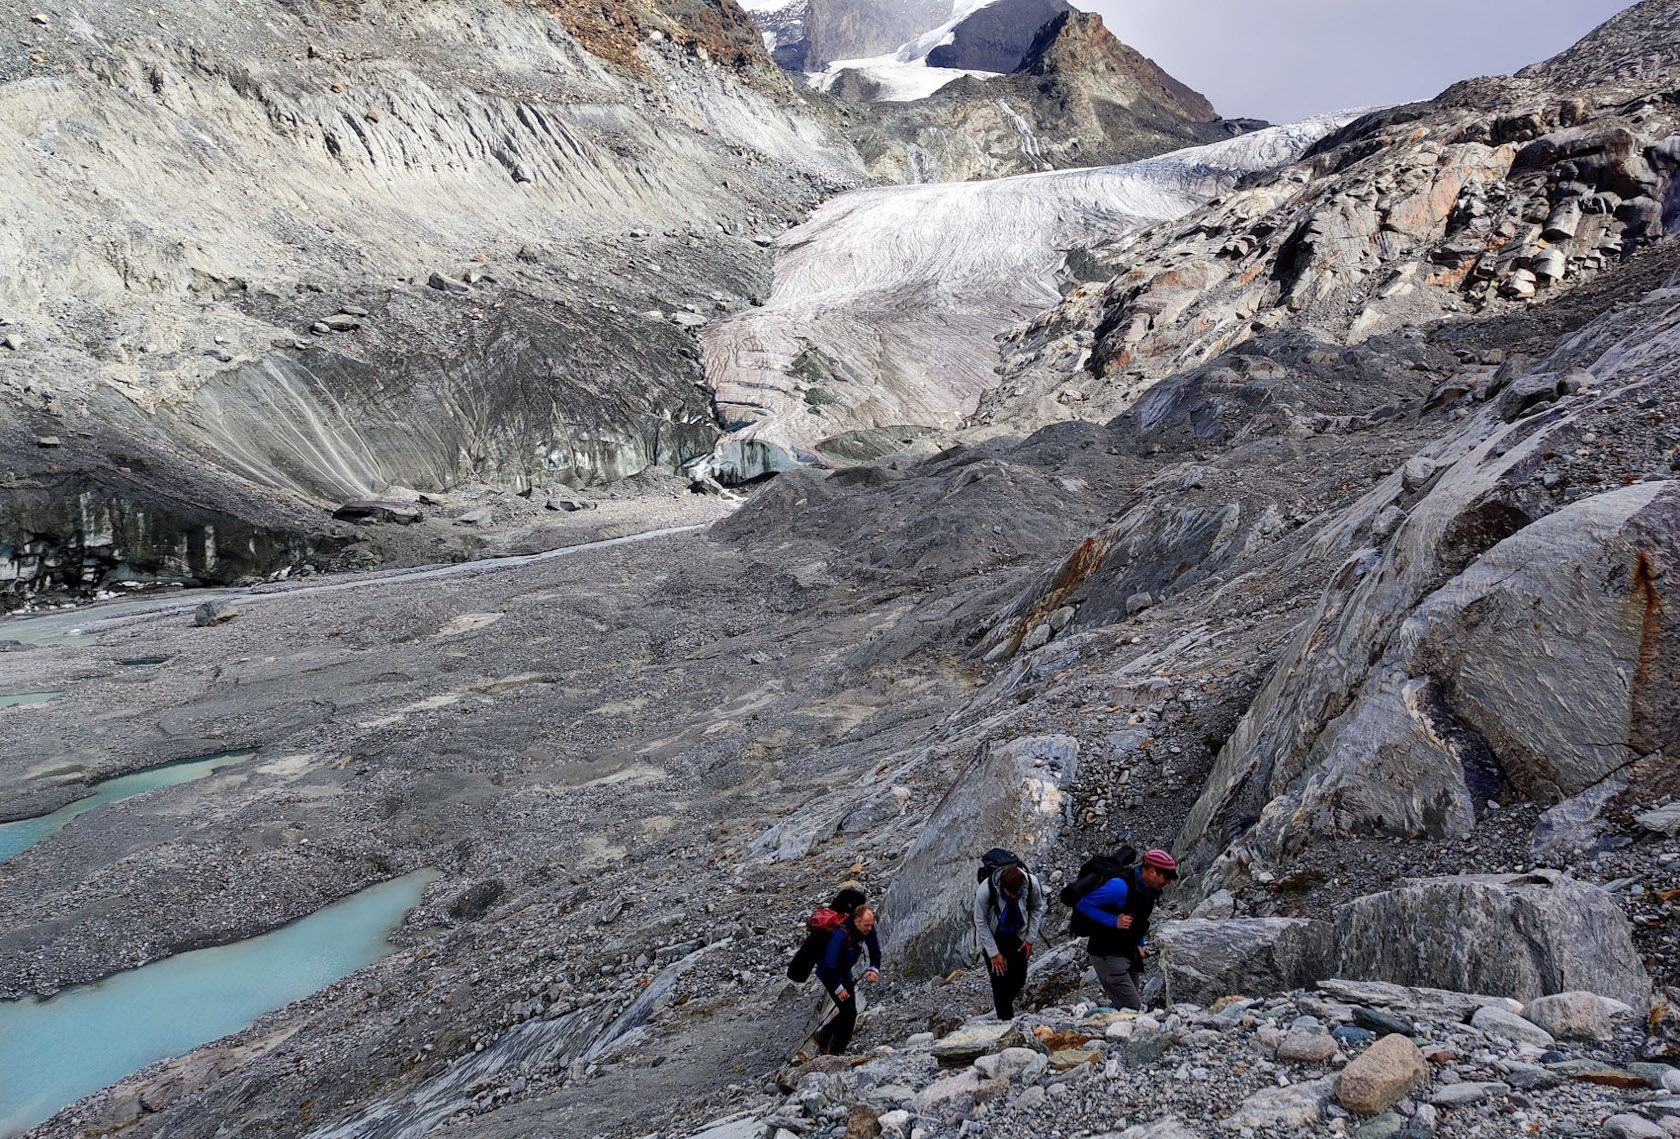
x=1012 y=794
x=1203 y=960
x=1513 y=935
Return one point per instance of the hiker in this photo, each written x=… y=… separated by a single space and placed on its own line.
x=1009 y=907
x=1115 y=907
x=845 y=945
x=824 y=920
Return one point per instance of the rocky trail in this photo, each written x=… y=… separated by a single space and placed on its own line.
x=1322 y=528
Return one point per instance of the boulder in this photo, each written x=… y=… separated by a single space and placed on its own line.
x=1381 y=1076
x=1070 y=1058
x=1167 y=1127
x=213 y=613
x=1296 y=1105
x=1411 y=1000
x=1010 y=1064
x=1445 y=669
x=1462 y=928
x=948 y=1096
x=1663 y=820
x=1497 y=1022
x=1570 y=1016
x=1012 y=794
x=1575 y=824
x=368 y=511
x=1204 y=960
x=1466 y=1092
x=1662 y=1039
x=972 y=1041
x=1306 y=1044
x=1630 y=1126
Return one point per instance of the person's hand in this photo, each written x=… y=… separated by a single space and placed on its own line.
x=872 y=976
x=1142 y=953
x=841 y=994
x=999 y=964
x=1124 y=921
x=1026 y=949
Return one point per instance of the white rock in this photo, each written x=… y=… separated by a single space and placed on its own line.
x=1498 y=1022
x=1570 y=1016
x=1294 y=1106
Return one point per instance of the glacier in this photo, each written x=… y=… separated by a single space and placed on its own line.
x=886 y=301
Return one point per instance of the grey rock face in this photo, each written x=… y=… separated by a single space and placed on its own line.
x=856 y=29
x=1438 y=703
x=1459 y=933
x=998 y=36
x=1014 y=794
x=1203 y=960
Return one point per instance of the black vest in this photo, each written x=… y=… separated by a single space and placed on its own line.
x=1140 y=903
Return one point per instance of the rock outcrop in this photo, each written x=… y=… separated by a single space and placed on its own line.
x=997 y=37
x=1462 y=933
x=1202 y=961
x=1012 y=795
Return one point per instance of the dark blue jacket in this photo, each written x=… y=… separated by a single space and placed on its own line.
x=1125 y=894
x=845 y=946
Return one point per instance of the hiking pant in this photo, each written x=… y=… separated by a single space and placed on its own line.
x=836 y=1033
x=1114 y=974
x=1007 y=987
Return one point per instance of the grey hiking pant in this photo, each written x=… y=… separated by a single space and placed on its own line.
x=1114 y=974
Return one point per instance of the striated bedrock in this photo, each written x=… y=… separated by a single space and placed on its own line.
x=1496 y=628
x=887 y=301
x=336 y=251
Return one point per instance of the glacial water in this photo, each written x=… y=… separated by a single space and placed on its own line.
x=20 y=699
x=18 y=836
x=54 y=1052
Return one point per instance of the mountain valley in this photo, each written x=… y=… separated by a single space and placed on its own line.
x=627 y=466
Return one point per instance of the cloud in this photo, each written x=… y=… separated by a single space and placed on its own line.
x=1287 y=59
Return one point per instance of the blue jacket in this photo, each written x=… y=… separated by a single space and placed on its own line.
x=845 y=946
x=1104 y=904
x=1107 y=903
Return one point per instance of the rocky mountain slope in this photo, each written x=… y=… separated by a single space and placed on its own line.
x=336 y=252
x=1366 y=611
x=472 y=267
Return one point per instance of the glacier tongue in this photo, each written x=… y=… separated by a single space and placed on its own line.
x=886 y=301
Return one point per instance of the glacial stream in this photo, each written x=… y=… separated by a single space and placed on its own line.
x=54 y=1052
x=19 y=836
x=80 y=627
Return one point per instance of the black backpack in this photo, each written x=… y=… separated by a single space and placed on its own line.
x=819 y=928
x=996 y=859
x=1092 y=874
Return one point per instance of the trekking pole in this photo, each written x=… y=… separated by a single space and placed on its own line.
x=1166 y=975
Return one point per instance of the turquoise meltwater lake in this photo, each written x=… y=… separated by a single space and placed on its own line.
x=54 y=1052
x=19 y=836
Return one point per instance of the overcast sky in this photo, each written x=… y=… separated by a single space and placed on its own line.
x=1287 y=59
